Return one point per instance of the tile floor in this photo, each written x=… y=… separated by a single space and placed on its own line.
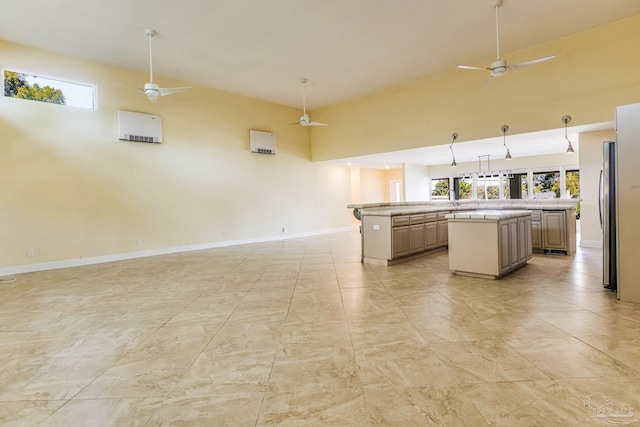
x=299 y=332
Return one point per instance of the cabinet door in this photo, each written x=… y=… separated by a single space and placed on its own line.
x=514 y=247
x=528 y=238
x=553 y=230
x=443 y=233
x=523 y=240
x=400 y=238
x=536 y=234
x=416 y=238
x=431 y=235
x=503 y=246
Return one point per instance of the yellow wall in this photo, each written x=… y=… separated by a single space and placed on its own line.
x=71 y=190
x=372 y=185
x=594 y=71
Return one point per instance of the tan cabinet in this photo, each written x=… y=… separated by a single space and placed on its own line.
x=443 y=229
x=489 y=247
x=554 y=232
x=400 y=241
x=514 y=242
x=416 y=238
x=431 y=235
x=536 y=229
x=388 y=237
x=536 y=234
x=504 y=247
x=525 y=250
x=443 y=233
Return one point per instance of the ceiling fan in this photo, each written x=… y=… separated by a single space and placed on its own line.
x=499 y=67
x=151 y=89
x=304 y=120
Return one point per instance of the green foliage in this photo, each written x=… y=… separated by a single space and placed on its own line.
x=573 y=184
x=488 y=189
x=466 y=189
x=441 y=188
x=16 y=86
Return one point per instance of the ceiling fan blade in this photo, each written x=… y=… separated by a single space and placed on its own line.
x=171 y=90
x=532 y=62
x=468 y=67
x=314 y=124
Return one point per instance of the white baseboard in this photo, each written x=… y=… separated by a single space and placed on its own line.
x=53 y=265
x=590 y=243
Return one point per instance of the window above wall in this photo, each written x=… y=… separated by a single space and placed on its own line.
x=48 y=89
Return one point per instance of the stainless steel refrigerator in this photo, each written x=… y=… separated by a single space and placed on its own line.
x=608 y=216
x=620 y=206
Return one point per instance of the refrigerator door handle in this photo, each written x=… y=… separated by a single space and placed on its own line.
x=600 y=199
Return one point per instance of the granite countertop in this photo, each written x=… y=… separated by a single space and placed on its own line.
x=440 y=205
x=420 y=209
x=491 y=215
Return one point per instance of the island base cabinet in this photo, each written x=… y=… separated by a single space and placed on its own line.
x=489 y=249
x=416 y=240
x=388 y=240
x=400 y=241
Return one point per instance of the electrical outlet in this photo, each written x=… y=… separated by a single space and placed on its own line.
x=138 y=243
x=30 y=252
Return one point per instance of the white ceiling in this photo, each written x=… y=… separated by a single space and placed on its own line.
x=261 y=48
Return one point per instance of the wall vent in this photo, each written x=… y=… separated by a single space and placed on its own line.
x=139 y=127
x=262 y=142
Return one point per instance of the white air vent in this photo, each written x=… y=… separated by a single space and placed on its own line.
x=139 y=127
x=262 y=142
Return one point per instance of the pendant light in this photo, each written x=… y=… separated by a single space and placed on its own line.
x=565 y=120
x=454 y=136
x=504 y=130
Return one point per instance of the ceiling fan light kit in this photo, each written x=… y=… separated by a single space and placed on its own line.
x=304 y=119
x=151 y=89
x=499 y=67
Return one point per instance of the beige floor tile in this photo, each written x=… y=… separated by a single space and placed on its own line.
x=27 y=412
x=230 y=409
x=299 y=332
x=528 y=403
x=314 y=408
x=425 y=406
x=486 y=361
x=53 y=378
x=104 y=412
x=305 y=368
x=568 y=357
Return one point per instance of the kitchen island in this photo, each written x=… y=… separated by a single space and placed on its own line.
x=489 y=243
x=397 y=232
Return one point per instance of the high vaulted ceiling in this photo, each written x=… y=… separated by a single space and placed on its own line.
x=345 y=48
x=261 y=48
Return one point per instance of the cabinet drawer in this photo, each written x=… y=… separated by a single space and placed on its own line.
x=442 y=216
x=430 y=217
x=417 y=219
x=536 y=215
x=399 y=221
